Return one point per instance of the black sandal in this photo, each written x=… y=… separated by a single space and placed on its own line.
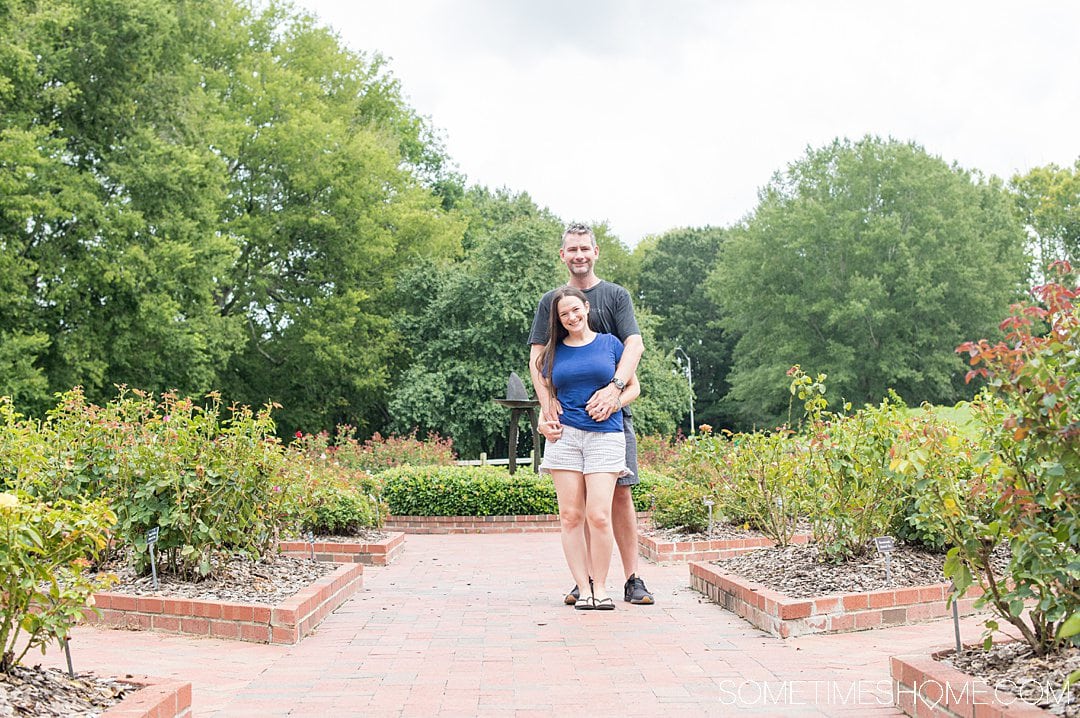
x=586 y=603
x=603 y=604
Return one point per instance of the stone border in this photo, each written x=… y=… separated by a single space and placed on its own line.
x=373 y=553
x=286 y=623
x=783 y=616
x=532 y=523
x=158 y=698
x=923 y=686
x=668 y=552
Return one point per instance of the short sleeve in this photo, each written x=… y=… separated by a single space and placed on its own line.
x=625 y=322
x=538 y=334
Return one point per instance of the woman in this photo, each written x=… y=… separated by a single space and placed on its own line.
x=589 y=456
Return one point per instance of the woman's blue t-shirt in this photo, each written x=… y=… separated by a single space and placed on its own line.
x=577 y=374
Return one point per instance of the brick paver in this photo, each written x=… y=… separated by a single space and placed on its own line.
x=464 y=625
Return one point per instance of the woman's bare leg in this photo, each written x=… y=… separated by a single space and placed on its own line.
x=570 y=488
x=598 y=493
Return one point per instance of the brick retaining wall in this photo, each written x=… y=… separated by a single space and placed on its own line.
x=923 y=686
x=668 y=552
x=373 y=553
x=158 y=698
x=287 y=622
x=784 y=616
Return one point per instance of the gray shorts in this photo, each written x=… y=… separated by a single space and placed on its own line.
x=589 y=452
x=631 y=453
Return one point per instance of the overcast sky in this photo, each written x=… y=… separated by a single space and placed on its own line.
x=656 y=114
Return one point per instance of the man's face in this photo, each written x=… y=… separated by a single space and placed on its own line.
x=579 y=254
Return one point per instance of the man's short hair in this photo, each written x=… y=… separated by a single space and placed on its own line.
x=578 y=229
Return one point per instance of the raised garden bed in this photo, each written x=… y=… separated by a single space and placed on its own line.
x=925 y=686
x=343 y=549
x=828 y=611
x=157 y=698
x=36 y=691
x=664 y=550
x=286 y=621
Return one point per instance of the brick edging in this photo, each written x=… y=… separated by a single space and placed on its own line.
x=287 y=622
x=783 y=616
x=924 y=686
x=157 y=698
x=668 y=552
x=526 y=523
x=371 y=553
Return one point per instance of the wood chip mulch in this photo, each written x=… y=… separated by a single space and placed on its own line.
x=1012 y=670
x=801 y=571
x=720 y=532
x=49 y=692
x=360 y=536
x=269 y=581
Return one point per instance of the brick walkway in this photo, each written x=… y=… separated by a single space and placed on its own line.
x=473 y=625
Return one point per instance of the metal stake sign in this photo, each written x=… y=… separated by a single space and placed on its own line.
x=956 y=618
x=886 y=545
x=67 y=654
x=310 y=538
x=709 y=504
x=151 y=539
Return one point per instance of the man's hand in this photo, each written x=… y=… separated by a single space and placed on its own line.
x=604 y=402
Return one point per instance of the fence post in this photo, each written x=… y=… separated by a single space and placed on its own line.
x=483 y=458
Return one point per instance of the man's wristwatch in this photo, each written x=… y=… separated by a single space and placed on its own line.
x=619 y=383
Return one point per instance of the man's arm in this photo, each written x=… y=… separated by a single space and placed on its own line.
x=550 y=408
x=605 y=401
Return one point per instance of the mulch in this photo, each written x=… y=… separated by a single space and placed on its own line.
x=803 y=572
x=48 y=692
x=1013 y=669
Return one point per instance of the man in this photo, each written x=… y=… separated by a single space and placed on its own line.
x=611 y=312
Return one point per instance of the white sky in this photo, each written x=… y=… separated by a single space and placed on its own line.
x=656 y=114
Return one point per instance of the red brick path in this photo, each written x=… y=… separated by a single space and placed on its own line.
x=465 y=625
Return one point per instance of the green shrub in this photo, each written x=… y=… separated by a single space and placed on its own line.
x=327 y=497
x=1032 y=472
x=681 y=506
x=378 y=453
x=852 y=495
x=340 y=510
x=44 y=551
x=644 y=491
x=466 y=491
x=208 y=478
x=657 y=452
x=764 y=482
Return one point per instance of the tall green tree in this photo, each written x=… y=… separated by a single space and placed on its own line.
x=674 y=267
x=207 y=194
x=466 y=323
x=1048 y=202
x=870 y=261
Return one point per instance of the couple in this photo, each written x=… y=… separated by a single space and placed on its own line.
x=585 y=350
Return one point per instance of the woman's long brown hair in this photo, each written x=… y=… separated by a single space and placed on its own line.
x=556 y=333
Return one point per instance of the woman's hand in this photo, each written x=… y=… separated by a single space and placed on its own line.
x=549 y=424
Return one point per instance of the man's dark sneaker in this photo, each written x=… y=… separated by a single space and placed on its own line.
x=575 y=594
x=635 y=592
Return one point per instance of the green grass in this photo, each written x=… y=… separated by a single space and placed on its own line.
x=960 y=415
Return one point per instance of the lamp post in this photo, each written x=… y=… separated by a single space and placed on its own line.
x=690 y=381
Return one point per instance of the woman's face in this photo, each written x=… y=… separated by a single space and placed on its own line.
x=573 y=314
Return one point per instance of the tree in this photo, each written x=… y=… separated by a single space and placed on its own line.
x=1048 y=202
x=674 y=268
x=869 y=261
x=465 y=324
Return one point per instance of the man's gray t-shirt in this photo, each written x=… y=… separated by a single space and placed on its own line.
x=611 y=311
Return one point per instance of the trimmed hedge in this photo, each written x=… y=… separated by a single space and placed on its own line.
x=480 y=491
